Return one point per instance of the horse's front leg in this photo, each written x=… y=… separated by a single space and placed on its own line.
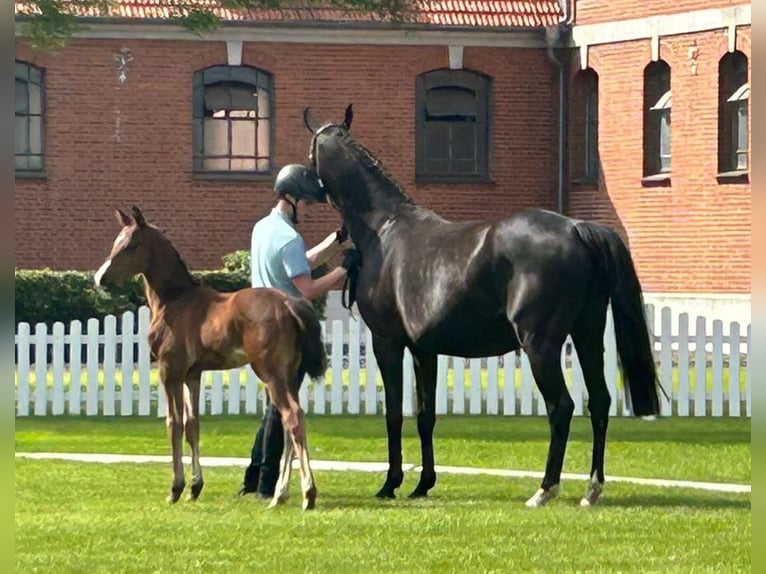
x=389 y=357
x=191 y=428
x=174 y=421
x=425 y=377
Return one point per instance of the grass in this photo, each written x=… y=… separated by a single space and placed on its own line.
x=74 y=517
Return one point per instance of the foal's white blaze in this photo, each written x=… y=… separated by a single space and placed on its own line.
x=542 y=497
x=593 y=494
x=100 y=273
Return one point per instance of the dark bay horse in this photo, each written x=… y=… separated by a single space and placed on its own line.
x=196 y=328
x=484 y=288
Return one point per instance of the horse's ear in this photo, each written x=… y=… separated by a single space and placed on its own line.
x=312 y=124
x=349 y=117
x=122 y=218
x=139 y=217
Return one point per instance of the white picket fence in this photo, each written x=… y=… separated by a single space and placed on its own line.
x=236 y=391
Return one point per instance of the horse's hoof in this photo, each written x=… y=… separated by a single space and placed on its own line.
x=173 y=497
x=418 y=493
x=277 y=501
x=385 y=493
x=543 y=497
x=309 y=503
x=196 y=489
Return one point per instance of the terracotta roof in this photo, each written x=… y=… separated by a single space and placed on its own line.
x=449 y=13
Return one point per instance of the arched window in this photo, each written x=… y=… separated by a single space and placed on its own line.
x=733 y=98
x=452 y=126
x=30 y=106
x=657 y=106
x=233 y=120
x=585 y=109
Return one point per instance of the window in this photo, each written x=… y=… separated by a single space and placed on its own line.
x=733 y=97
x=584 y=129
x=657 y=106
x=233 y=120
x=29 y=100
x=452 y=126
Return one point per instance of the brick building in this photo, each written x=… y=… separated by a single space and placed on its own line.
x=568 y=106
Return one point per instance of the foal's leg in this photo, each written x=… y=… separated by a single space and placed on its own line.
x=389 y=357
x=545 y=360
x=589 y=343
x=425 y=377
x=191 y=426
x=174 y=392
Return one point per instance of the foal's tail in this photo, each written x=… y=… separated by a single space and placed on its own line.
x=639 y=372
x=313 y=355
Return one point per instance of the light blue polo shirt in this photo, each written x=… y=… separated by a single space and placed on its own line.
x=277 y=254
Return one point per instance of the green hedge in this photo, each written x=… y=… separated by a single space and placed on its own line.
x=46 y=296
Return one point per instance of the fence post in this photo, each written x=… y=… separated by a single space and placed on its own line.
x=407 y=386
x=75 y=367
x=144 y=363
x=749 y=371
x=91 y=404
x=354 y=352
x=23 y=344
x=458 y=386
x=442 y=363
x=126 y=364
x=717 y=408
x=509 y=385
x=475 y=404
x=610 y=360
x=734 y=407
x=110 y=348
x=371 y=364
x=700 y=369
x=41 y=369
x=683 y=366
x=58 y=369
x=492 y=385
x=666 y=361
x=336 y=389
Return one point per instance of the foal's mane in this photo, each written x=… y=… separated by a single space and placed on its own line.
x=178 y=259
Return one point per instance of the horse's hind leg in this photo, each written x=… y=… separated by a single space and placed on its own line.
x=191 y=427
x=174 y=423
x=588 y=338
x=425 y=376
x=282 y=488
x=545 y=359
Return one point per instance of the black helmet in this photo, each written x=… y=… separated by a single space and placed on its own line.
x=300 y=182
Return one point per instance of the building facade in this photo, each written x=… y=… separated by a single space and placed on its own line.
x=477 y=112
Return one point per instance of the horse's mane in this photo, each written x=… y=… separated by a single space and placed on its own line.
x=373 y=165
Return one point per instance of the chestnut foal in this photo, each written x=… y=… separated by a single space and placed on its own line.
x=196 y=328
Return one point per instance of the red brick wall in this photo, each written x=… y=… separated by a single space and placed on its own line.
x=110 y=146
x=694 y=235
x=594 y=11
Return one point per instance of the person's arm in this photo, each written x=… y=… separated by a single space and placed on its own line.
x=324 y=250
x=313 y=288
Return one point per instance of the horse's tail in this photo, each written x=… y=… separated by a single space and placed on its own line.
x=313 y=355
x=639 y=372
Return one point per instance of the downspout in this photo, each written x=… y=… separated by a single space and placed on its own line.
x=553 y=37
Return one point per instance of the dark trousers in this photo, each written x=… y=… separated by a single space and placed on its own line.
x=262 y=473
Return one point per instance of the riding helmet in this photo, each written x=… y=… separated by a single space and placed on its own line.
x=300 y=182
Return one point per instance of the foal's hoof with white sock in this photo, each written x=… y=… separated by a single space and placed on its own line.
x=543 y=497
x=593 y=494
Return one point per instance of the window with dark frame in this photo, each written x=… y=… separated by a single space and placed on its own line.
x=657 y=108
x=452 y=126
x=590 y=81
x=733 y=99
x=233 y=120
x=30 y=107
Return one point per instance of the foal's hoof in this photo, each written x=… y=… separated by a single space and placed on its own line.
x=592 y=495
x=195 y=491
x=278 y=501
x=421 y=490
x=543 y=497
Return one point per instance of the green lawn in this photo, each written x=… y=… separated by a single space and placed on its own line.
x=76 y=517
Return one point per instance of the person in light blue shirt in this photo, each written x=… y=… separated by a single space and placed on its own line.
x=279 y=259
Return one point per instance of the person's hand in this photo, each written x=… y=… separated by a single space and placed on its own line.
x=341 y=234
x=352 y=260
